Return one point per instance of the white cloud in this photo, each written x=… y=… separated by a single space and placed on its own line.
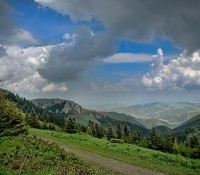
x=30 y=84
x=54 y=87
x=19 y=69
x=68 y=36
x=180 y=73
x=128 y=58
x=25 y=37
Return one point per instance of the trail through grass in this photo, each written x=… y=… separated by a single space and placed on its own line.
x=132 y=154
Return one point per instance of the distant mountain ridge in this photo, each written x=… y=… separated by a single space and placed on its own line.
x=162 y=113
x=194 y=122
x=58 y=105
x=65 y=108
x=70 y=108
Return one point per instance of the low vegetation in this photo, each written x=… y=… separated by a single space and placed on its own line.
x=29 y=155
x=170 y=163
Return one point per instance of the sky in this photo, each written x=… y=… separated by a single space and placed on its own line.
x=101 y=52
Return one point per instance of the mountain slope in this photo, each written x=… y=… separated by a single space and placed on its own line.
x=192 y=123
x=58 y=105
x=68 y=108
x=159 y=113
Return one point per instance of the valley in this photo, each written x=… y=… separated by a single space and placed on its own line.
x=98 y=137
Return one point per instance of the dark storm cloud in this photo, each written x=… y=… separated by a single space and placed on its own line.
x=136 y=20
x=139 y=20
x=67 y=63
x=7 y=26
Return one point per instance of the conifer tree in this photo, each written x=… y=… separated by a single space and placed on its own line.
x=71 y=126
x=169 y=142
x=175 y=147
x=33 y=120
x=156 y=141
x=153 y=139
x=109 y=132
x=126 y=133
x=98 y=132
x=136 y=139
x=11 y=119
x=89 y=131
x=193 y=142
x=119 y=131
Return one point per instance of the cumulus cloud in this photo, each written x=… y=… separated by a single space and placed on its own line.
x=128 y=58
x=24 y=37
x=135 y=20
x=54 y=87
x=177 y=20
x=19 y=69
x=69 y=62
x=180 y=73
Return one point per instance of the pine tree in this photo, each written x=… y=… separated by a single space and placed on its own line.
x=156 y=141
x=89 y=131
x=109 y=132
x=153 y=139
x=136 y=139
x=119 y=131
x=33 y=119
x=169 y=142
x=126 y=133
x=193 y=142
x=11 y=120
x=98 y=132
x=175 y=147
x=71 y=126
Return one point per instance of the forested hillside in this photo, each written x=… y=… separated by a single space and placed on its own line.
x=21 y=153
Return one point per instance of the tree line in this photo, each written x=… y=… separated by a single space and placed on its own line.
x=167 y=143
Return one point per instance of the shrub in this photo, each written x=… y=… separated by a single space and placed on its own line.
x=113 y=140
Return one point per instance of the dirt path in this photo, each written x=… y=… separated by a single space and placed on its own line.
x=108 y=163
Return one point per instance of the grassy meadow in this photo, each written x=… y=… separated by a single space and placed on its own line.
x=132 y=154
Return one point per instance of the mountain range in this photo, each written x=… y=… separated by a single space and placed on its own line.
x=194 y=122
x=58 y=108
x=161 y=113
x=82 y=115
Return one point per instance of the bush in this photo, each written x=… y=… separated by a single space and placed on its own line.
x=113 y=140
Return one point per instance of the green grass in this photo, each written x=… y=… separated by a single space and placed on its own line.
x=28 y=155
x=132 y=154
x=4 y=171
